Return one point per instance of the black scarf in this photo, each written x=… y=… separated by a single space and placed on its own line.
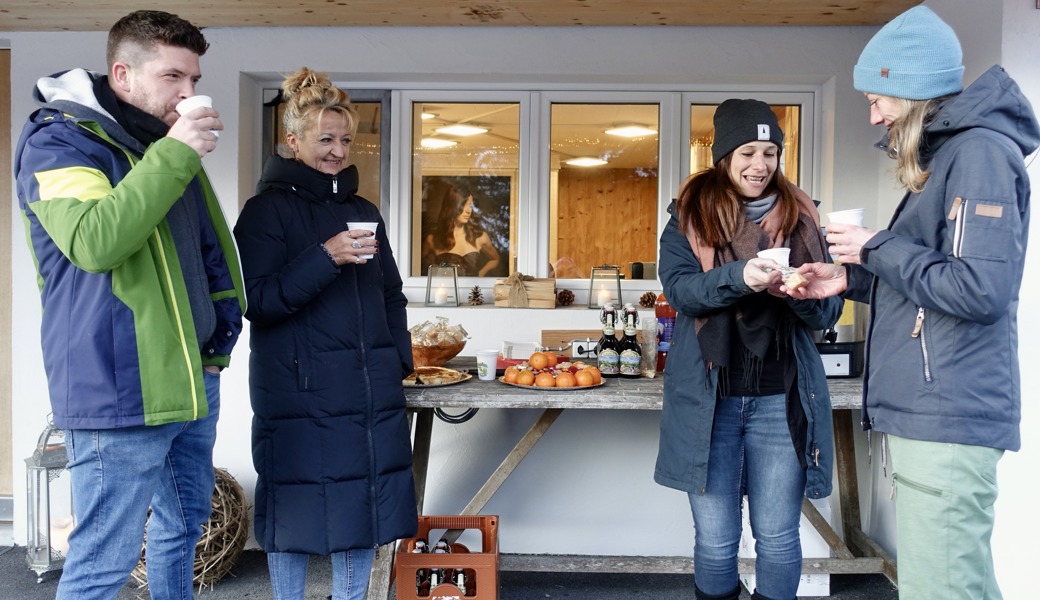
x=144 y=127
x=758 y=320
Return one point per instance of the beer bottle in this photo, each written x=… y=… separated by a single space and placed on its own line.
x=630 y=353
x=665 y=325
x=607 y=350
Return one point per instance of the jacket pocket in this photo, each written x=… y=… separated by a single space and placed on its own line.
x=917 y=486
x=982 y=228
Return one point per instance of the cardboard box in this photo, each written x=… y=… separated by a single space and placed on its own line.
x=541 y=293
x=480 y=568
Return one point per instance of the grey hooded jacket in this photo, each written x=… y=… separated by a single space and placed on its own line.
x=943 y=280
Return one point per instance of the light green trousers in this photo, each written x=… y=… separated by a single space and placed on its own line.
x=944 y=519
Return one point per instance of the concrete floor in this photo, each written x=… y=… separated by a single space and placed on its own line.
x=249 y=580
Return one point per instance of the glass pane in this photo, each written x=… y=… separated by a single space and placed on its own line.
x=603 y=188
x=702 y=133
x=464 y=186
x=365 y=150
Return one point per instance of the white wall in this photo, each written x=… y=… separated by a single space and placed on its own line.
x=588 y=486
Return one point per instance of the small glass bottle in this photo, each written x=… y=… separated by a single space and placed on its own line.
x=630 y=354
x=665 y=325
x=607 y=350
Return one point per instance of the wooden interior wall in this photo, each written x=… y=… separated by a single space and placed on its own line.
x=606 y=216
x=6 y=476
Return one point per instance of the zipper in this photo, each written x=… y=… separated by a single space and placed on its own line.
x=956 y=215
x=918 y=332
x=335 y=185
x=177 y=319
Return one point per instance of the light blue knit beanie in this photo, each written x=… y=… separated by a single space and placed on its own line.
x=916 y=56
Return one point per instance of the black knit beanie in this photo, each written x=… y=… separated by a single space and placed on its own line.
x=738 y=122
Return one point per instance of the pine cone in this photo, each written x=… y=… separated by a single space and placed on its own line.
x=565 y=297
x=648 y=300
x=476 y=297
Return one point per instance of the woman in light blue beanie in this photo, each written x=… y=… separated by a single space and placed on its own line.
x=942 y=373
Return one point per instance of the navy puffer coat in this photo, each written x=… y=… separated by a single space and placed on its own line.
x=329 y=348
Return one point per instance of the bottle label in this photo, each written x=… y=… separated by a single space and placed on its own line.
x=629 y=363
x=665 y=326
x=609 y=362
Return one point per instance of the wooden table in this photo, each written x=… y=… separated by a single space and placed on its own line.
x=856 y=554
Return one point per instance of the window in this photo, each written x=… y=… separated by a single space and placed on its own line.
x=603 y=187
x=465 y=162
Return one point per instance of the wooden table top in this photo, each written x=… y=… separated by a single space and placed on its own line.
x=617 y=393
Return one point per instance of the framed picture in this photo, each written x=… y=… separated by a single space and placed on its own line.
x=466 y=221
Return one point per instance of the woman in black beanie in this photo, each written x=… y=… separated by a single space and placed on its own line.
x=746 y=408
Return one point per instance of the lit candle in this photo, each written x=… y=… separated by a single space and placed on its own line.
x=602 y=297
x=440 y=295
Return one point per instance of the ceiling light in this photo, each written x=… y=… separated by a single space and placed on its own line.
x=631 y=131
x=436 y=143
x=426 y=115
x=586 y=161
x=461 y=130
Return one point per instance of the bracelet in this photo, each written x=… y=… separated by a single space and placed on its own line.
x=327 y=253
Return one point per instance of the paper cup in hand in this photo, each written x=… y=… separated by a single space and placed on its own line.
x=189 y=104
x=367 y=226
x=781 y=256
x=853 y=216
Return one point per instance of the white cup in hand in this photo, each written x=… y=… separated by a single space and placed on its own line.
x=853 y=216
x=781 y=256
x=189 y=104
x=367 y=226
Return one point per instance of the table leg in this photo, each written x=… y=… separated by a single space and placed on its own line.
x=498 y=477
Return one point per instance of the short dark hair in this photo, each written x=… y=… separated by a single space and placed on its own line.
x=146 y=28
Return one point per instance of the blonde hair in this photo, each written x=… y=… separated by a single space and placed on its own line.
x=308 y=94
x=905 y=138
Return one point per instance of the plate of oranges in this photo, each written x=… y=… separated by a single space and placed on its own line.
x=547 y=371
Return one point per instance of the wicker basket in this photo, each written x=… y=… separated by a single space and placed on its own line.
x=436 y=356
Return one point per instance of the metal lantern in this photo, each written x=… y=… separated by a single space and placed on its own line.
x=442 y=285
x=605 y=286
x=49 y=491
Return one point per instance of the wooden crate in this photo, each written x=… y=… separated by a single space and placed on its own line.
x=541 y=293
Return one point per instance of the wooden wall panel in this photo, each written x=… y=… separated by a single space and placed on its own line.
x=606 y=216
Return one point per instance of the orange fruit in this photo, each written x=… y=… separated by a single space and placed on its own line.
x=565 y=379
x=511 y=374
x=538 y=361
x=583 y=378
x=525 y=377
x=545 y=379
x=596 y=376
x=552 y=359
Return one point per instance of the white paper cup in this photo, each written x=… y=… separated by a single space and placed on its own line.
x=189 y=104
x=367 y=226
x=487 y=364
x=853 y=216
x=782 y=256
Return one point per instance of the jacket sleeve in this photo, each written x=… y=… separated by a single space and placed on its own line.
x=976 y=275
x=65 y=181
x=277 y=285
x=688 y=288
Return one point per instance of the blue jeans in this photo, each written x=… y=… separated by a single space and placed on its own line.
x=350 y=573
x=116 y=474
x=751 y=452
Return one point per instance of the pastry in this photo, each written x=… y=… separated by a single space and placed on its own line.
x=433 y=376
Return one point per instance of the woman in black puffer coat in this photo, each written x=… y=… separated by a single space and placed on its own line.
x=329 y=347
